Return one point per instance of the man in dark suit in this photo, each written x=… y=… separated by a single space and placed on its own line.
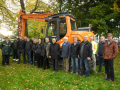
x=85 y=56
x=54 y=53
x=21 y=49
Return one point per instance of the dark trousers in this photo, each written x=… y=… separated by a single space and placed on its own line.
x=15 y=54
x=39 y=60
x=84 y=64
x=55 y=64
x=28 y=54
x=109 y=68
x=5 y=59
x=31 y=56
x=46 y=62
x=101 y=61
x=23 y=55
x=34 y=58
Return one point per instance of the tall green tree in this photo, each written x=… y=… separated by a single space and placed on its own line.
x=7 y=16
x=37 y=29
x=31 y=11
x=95 y=12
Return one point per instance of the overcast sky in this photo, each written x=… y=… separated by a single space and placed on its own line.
x=4 y=30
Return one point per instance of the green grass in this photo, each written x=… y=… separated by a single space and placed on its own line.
x=22 y=77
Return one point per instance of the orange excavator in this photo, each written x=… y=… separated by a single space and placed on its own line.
x=58 y=26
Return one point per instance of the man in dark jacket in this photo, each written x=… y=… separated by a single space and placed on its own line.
x=32 y=41
x=15 y=50
x=25 y=39
x=74 y=54
x=66 y=51
x=21 y=49
x=6 y=49
x=100 y=52
x=46 y=53
x=85 y=55
x=54 y=53
x=39 y=53
x=28 y=48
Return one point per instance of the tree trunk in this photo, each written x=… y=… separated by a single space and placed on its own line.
x=23 y=8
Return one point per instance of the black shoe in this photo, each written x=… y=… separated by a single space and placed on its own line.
x=56 y=71
x=8 y=64
x=86 y=76
x=53 y=70
x=43 y=69
x=82 y=74
x=3 y=65
x=18 y=63
x=48 y=67
x=111 y=81
x=107 y=78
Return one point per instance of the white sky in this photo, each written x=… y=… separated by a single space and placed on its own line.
x=4 y=30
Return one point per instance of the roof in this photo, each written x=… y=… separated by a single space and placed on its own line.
x=59 y=14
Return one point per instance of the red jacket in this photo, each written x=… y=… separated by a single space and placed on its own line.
x=111 y=50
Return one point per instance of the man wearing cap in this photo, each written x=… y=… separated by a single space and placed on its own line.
x=6 y=49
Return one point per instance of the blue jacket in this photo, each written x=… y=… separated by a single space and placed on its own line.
x=66 y=50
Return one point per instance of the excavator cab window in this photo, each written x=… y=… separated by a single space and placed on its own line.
x=63 y=27
x=57 y=28
x=52 y=29
x=72 y=25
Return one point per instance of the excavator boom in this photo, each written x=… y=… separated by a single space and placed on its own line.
x=22 y=17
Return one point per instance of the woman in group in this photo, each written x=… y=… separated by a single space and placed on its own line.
x=34 y=47
x=39 y=53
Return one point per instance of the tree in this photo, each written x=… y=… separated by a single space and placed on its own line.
x=23 y=8
x=95 y=12
x=36 y=28
x=7 y=16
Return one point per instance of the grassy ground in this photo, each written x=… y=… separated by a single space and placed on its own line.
x=22 y=77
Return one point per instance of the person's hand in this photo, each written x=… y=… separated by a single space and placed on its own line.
x=46 y=54
x=68 y=57
x=78 y=56
x=89 y=58
x=97 y=55
x=35 y=51
x=49 y=56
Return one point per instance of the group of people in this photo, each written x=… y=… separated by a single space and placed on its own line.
x=84 y=52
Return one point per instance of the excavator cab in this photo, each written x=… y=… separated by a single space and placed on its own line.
x=64 y=25
x=56 y=28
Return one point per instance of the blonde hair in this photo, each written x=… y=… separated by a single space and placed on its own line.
x=110 y=34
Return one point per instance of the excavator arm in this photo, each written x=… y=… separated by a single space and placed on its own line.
x=22 y=17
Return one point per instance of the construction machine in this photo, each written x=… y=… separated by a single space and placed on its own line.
x=58 y=26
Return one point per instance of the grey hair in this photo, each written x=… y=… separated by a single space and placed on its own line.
x=54 y=39
x=35 y=40
x=47 y=38
x=74 y=37
x=85 y=36
x=66 y=38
